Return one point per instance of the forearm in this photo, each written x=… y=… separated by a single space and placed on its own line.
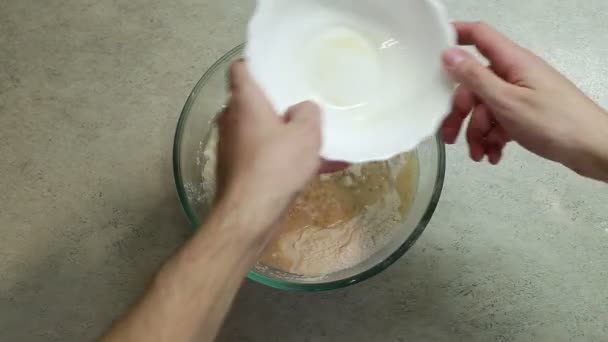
x=192 y=293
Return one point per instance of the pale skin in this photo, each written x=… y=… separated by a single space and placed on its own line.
x=265 y=160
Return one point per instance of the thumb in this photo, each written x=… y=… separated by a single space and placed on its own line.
x=245 y=92
x=304 y=113
x=239 y=76
x=466 y=70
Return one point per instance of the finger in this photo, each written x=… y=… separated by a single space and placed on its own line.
x=304 y=126
x=479 y=125
x=224 y=117
x=462 y=105
x=481 y=120
x=238 y=75
x=465 y=69
x=494 y=153
x=247 y=96
x=304 y=113
x=497 y=136
x=495 y=142
x=328 y=166
x=495 y=46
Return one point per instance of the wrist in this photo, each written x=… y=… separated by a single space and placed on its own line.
x=593 y=148
x=257 y=210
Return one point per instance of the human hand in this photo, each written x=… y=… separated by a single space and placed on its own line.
x=520 y=97
x=260 y=153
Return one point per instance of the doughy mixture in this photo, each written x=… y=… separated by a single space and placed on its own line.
x=342 y=219
x=339 y=221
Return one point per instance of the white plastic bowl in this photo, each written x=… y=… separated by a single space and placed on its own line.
x=374 y=67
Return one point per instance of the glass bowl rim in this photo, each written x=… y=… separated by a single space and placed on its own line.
x=280 y=284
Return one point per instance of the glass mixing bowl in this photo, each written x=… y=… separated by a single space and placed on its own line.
x=193 y=131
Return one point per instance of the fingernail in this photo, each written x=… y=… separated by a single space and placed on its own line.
x=453 y=57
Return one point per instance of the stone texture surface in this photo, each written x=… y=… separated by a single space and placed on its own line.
x=90 y=93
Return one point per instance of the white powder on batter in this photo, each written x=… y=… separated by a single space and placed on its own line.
x=318 y=251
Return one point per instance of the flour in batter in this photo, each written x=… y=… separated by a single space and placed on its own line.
x=343 y=219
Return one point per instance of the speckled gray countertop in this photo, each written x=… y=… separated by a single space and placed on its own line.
x=90 y=92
